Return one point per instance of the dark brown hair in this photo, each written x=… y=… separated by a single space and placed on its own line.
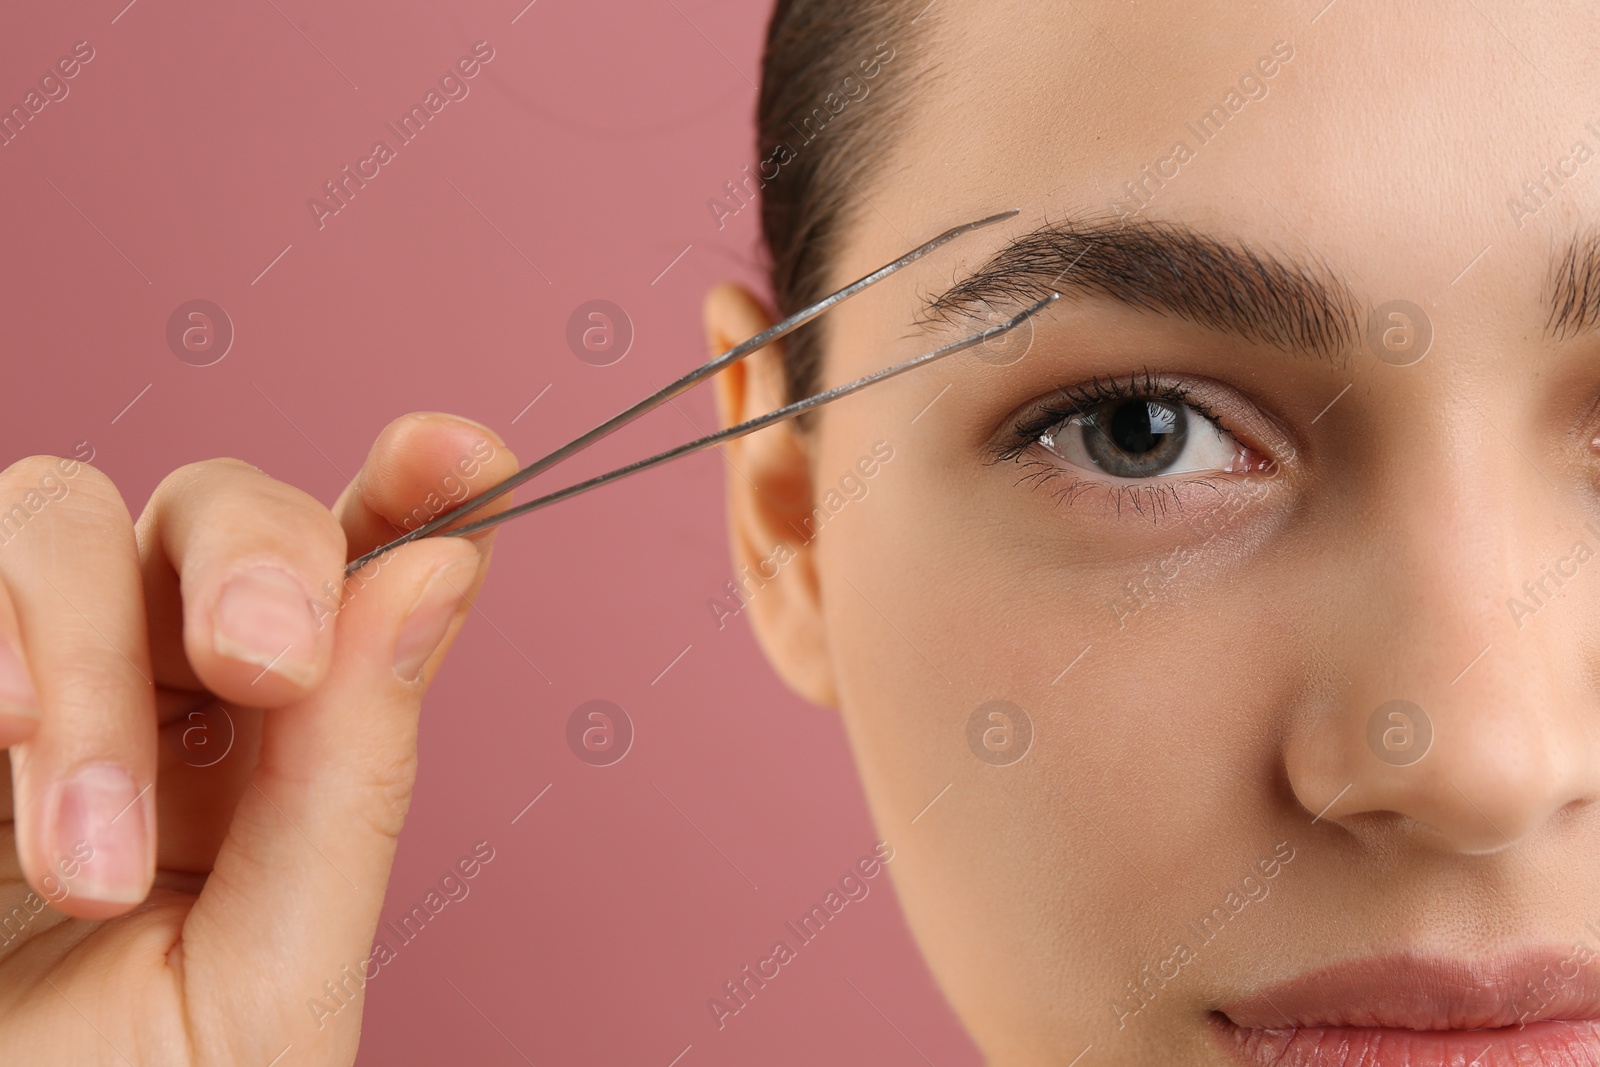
x=816 y=157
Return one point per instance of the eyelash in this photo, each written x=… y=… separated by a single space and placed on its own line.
x=1154 y=497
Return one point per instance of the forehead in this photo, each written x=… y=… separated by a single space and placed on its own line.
x=1400 y=143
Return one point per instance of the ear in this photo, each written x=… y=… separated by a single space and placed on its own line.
x=769 y=501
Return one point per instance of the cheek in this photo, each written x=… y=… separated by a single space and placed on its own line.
x=974 y=862
x=1139 y=735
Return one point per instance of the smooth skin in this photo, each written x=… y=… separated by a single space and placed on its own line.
x=228 y=889
x=1177 y=745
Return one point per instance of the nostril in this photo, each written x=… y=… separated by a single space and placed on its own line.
x=1396 y=826
x=1470 y=771
x=1443 y=817
x=1572 y=808
x=1371 y=823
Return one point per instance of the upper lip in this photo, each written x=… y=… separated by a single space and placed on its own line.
x=1421 y=993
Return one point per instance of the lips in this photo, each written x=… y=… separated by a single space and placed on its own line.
x=1533 y=1009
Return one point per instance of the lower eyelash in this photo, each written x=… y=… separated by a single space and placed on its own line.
x=1152 y=499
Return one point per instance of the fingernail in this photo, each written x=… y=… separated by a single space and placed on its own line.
x=17 y=695
x=99 y=842
x=263 y=616
x=430 y=616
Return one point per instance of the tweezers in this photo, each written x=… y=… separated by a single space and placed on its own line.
x=699 y=374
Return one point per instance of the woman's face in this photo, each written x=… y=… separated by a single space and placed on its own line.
x=1213 y=519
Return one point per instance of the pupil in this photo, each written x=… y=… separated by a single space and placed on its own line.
x=1141 y=425
x=1137 y=438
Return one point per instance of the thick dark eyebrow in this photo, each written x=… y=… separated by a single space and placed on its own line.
x=1167 y=268
x=1573 y=288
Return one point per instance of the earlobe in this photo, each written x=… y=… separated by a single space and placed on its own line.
x=769 y=502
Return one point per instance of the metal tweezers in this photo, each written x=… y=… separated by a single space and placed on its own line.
x=699 y=374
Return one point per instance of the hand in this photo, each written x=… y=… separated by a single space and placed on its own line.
x=213 y=742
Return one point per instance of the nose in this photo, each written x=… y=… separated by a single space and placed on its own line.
x=1462 y=714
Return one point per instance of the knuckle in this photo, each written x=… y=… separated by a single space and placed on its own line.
x=97 y=678
x=386 y=789
x=307 y=521
x=272 y=509
x=193 y=475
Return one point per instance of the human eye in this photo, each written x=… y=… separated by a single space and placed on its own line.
x=1144 y=440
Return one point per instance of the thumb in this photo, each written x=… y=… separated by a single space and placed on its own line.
x=294 y=896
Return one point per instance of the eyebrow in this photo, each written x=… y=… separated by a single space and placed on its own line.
x=1168 y=268
x=1573 y=287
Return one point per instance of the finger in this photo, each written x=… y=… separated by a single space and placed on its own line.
x=421 y=466
x=235 y=566
x=84 y=781
x=314 y=834
x=19 y=700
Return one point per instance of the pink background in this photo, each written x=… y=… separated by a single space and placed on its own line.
x=591 y=142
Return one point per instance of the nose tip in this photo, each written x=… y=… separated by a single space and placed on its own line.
x=1458 y=779
x=1450 y=714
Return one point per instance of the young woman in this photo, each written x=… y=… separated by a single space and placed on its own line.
x=1214 y=655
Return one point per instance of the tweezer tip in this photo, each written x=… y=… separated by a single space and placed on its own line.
x=1006 y=214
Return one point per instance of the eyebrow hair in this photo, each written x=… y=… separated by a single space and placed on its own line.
x=1168 y=268
x=1573 y=287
